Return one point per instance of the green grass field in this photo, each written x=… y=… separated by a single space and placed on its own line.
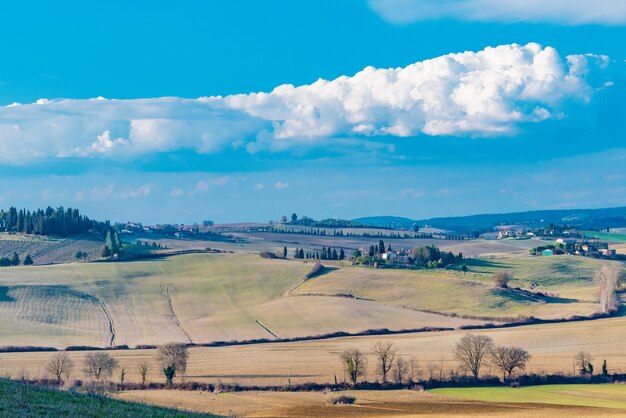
x=602 y=395
x=22 y=400
x=568 y=278
x=606 y=236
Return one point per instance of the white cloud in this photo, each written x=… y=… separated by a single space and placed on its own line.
x=486 y=93
x=565 y=12
x=280 y=185
x=177 y=192
x=258 y=186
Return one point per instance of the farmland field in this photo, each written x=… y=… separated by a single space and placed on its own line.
x=552 y=347
x=188 y=298
x=400 y=403
x=569 y=278
x=607 y=236
x=50 y=250
x=603 y=396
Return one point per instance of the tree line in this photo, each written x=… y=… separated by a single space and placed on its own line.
x=49 y=221
x=325 y=254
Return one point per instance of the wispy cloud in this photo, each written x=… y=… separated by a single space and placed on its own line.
x=279 y=185
x=565 y=12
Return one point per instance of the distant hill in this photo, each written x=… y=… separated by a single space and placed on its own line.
x=581 y=218
x=387 y=221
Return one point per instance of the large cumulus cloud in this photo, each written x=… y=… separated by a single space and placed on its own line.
x=487 y=93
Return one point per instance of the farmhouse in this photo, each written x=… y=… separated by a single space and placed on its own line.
x=566 y=241
x=547 y=252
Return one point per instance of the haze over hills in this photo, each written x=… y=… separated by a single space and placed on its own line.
x=581 y=218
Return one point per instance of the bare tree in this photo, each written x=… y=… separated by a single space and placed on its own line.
x=415 y=371
x=385 y=355
x=471 y=352
x=401 y=371
x=582 y=359
x=354 y=364
x=502 y=279
x=507 y=359
x=142 y=368
x=608 y=279
x=173 y=358
x=60 y=365
x=99 y=364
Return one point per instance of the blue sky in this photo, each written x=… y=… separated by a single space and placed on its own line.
x=149 y=112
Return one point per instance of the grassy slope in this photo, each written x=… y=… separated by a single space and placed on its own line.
x=606 y=236
x=603 y=395
x=449 y=291
x=205 y=297
x=21 y=400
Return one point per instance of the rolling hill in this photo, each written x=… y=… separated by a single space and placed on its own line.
x=581 y=218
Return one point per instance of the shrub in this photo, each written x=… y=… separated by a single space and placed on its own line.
x=342 y=400
x=502 y=279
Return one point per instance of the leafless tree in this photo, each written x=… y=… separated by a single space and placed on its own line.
x=502 y=279
x=415 y=371
x=507 y=359
x=582 y=359
x=608 y=279
x=472 y=350
x=432 y=370
x=401 y=371
x=354 y=364
x=385 y=355
x=99 y=364
x=142 y=368
x=173 y=358
x=60 y=365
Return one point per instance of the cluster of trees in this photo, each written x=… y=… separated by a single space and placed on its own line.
x=325 y=254
x=341 y=233
x=100 y=365
x=472 y=352
x=430 y=256
x=389 y=365
x=15 y=260
x=325 y=223
x=583 y=365
x=113 y=243
x=49 y=221
x=154 y=244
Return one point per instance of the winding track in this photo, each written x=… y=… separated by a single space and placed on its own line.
x=111 y=326
x=176 y=321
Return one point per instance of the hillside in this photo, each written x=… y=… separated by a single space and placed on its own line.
x=23 y=400
x=188 y=298
x=50 y=249
x=581 y=218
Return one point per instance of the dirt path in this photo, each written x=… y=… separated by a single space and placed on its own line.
x=171 y=306
x=111 y=326
x=265 y=328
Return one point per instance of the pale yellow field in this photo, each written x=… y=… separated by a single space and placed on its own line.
x=400 y=403
x=552 y=347
x=191 y=298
